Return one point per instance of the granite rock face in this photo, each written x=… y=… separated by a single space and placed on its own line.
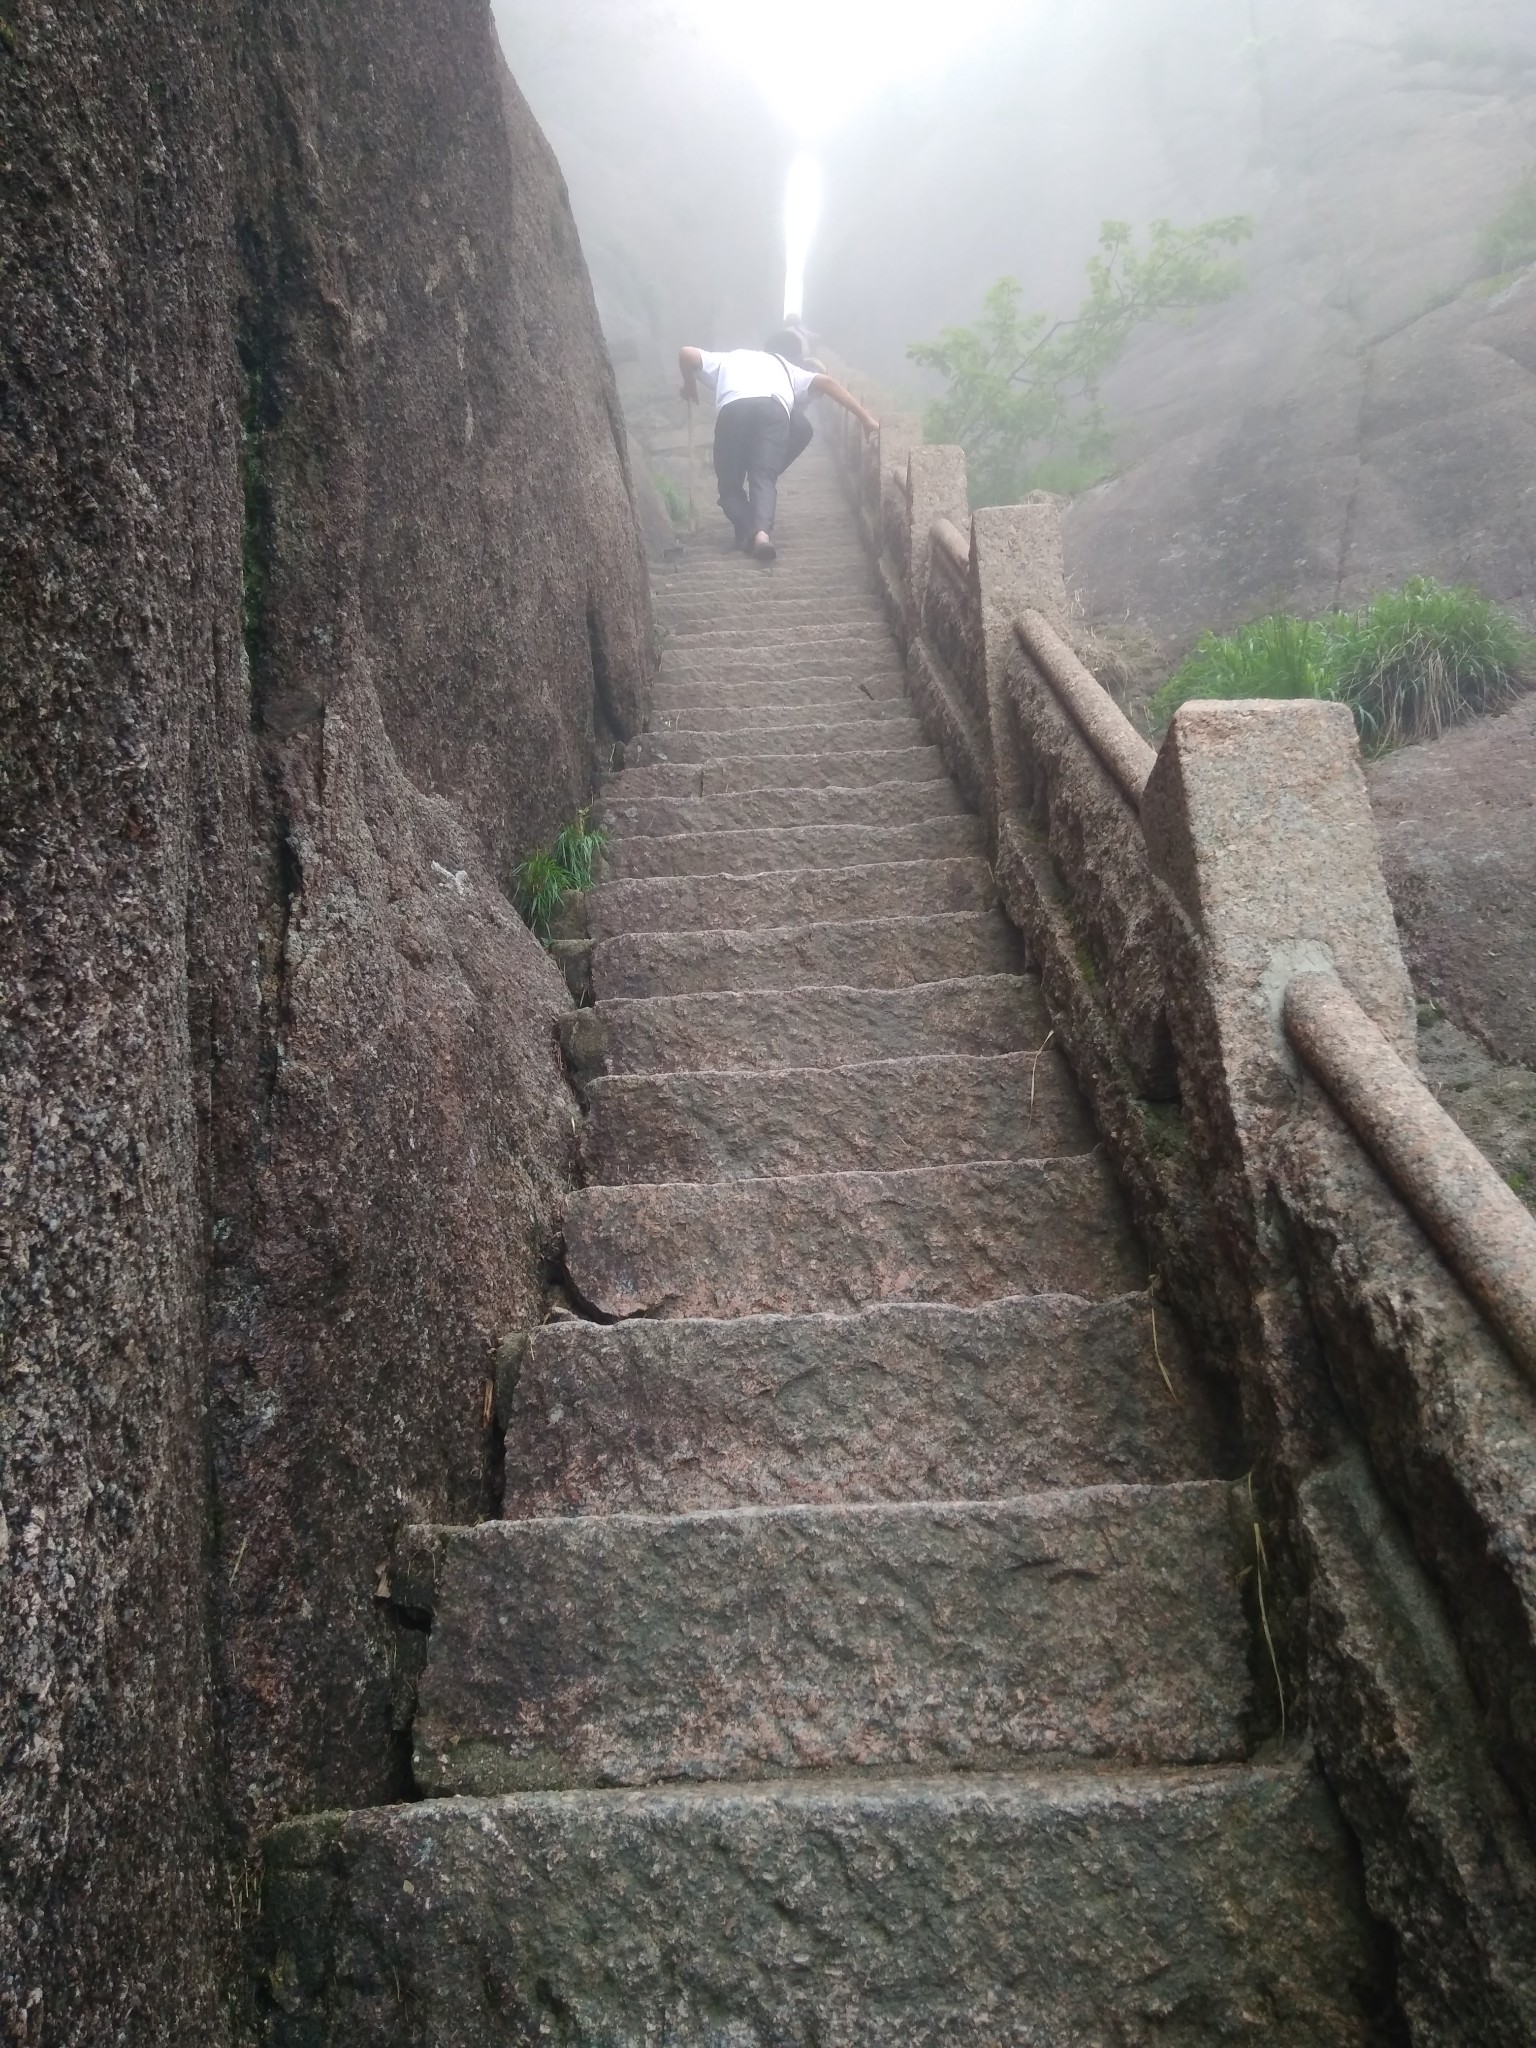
x=1457 y=823
x=322 y=586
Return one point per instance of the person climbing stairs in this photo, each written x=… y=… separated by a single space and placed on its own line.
x=865 y=1654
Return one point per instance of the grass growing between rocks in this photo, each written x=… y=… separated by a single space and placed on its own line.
x=541 y=883
x=1414 y=662
x=675 y=498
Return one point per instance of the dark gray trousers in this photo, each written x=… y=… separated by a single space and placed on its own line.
x=751 y=452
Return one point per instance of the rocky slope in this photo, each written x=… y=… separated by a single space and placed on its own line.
x=1364 y=410
x=323 y=596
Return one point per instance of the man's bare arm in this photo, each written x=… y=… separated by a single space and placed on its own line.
x=828 y=387
x=690 y=361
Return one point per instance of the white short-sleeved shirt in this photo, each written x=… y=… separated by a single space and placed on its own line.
x=753 y=373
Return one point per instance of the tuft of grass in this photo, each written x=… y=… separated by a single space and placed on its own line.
x=542 y=882
x=675 y=498
x=1509 y=241
x=1426 y=657
x=1412 y=663
x=1274 y=657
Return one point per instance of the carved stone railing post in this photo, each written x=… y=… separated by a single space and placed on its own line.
x=936 y=489
x=1258 y=822
x=1016 y=566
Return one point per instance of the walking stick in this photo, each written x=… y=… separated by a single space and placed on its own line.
x=693 y=517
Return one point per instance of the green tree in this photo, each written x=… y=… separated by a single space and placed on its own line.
x=1023 y=388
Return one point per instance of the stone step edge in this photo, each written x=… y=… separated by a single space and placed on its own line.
x=609 y=798
x=574 y=956
x=412 y=1571
x=515 y=1352
x=569 y=1023
x=788 y=1075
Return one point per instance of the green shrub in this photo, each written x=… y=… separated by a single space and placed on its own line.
x=1415 y=661
x=1022 y=389
x=1509 y=240
x=541 y=883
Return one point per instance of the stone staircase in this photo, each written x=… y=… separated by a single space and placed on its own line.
x=863 y=1656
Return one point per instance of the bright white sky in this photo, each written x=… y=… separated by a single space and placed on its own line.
x=817 y=61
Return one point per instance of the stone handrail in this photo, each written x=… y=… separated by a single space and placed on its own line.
x=1483 y=1230
x=952 y=546
x=1218 y=953
x=1117 y=743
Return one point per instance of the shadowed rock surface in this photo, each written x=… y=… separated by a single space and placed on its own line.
x=322 y=587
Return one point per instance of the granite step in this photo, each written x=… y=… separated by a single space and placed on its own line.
x=851 y=707
x=889 y=804
x=803 y=660
x=776 y=850
x=888 y=952
x=840 y=634
x=936 y=1111
x=752 y=638
x=738 y=903
x=672 y=695
x=749 y=1643
x=864 y=767
x=797 y=1027
x=840 y=1241
x=743 y=591
x=1182 y=1906
x=684 y=618
x=909 y=1402
x=771 y=689
x=846 y=735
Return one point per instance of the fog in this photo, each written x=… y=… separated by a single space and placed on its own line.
x=1292 y=444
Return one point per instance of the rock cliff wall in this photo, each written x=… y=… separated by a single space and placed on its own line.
x=322 y=591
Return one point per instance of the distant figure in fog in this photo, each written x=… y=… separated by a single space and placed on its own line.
x=760 y=425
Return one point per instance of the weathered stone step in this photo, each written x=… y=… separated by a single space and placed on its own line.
x=888 y=952
x=695 y=903
x=684 y=617
x=847 y=735
x=862 y=767
x=852 y=706
x=891 y=804
x=729 y=633
x=1049 y=1909
x=804 y=661
x=837 y=1241
x=716 y=635
x=624 y=1649
x=910 y=1402
x=631 y=856
x=937 y=1111
x=739 y=591
x=770 y=1028
x=670 y=697
x=812 y=551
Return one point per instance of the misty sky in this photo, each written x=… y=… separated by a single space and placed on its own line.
x=816 y=62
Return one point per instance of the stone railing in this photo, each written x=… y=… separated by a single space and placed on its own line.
x=1222 y=969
